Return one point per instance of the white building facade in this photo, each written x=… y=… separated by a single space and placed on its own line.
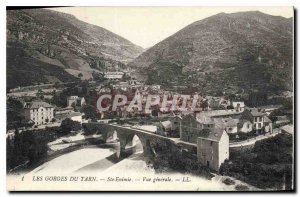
x=39 y=113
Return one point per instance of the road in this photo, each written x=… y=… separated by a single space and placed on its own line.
x=252 y=141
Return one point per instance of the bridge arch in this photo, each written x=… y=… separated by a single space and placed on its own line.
x=129 y=144
x=126 y=136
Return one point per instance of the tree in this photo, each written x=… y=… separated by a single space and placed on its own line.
x=40 y=91
x=15 y=113
x=126 y=77
x=26 y=146
x=90 y=112
x=68 y=125
x=56 y=84
x=97 y=76
x=257 y=99
x=204 y=104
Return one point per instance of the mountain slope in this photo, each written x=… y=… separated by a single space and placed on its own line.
x=51 y=38
x=238 y=52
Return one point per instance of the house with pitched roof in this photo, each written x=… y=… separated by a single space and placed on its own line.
x=191 y=126
x=258 y=118
x=76 y=101
x=238 y=105
x=245 y=126
x=213 y=148
x=170 y=127
x=38 y=112
x=229 y=124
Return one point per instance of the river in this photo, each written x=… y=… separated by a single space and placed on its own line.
x=107 y=173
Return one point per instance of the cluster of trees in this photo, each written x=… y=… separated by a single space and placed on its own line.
x=257 y=99
x=90 y=112
x=15 y=114
x=267 y=165
x=98 y=76
x=285 y=110
x=181 y=161
x=60 y=99
x=26 y=147
x=31 y=146
x=68 y=125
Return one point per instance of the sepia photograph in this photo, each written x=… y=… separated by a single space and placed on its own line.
x=150 y=99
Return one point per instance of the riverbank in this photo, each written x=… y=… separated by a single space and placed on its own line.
x=98 y=162
x=93 y=158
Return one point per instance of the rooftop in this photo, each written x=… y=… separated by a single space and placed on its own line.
x=212 y=135
x=226 y=122
x=257 y=112
x=38 y=104
x=166 y=124
x=288 y=128
x=224 y=112
x=204 y=119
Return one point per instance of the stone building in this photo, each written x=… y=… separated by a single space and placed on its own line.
x=191 y=127
x=38 y=112
x=213 y=148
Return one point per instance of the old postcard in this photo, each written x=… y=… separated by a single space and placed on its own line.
x=150 y=99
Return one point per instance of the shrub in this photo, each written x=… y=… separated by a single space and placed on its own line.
x=228 y=181
x=241 y=187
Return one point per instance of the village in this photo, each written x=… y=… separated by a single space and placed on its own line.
x=218 y=126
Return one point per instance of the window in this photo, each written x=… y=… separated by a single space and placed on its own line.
x=211 y=143
x=259 y=125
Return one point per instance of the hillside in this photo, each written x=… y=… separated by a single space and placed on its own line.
x=238 y=52
x=58 y=47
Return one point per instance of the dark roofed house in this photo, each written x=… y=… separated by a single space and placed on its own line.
x=191 y=126
x=169 y=128
x=258 y=118
x=229 y=124
x=164 y=128
x=213 y=147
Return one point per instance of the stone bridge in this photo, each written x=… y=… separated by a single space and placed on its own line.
x=151 y=142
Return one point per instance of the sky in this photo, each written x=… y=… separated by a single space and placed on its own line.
x=146 y=26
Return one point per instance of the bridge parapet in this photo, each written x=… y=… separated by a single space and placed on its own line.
x=125 y=134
